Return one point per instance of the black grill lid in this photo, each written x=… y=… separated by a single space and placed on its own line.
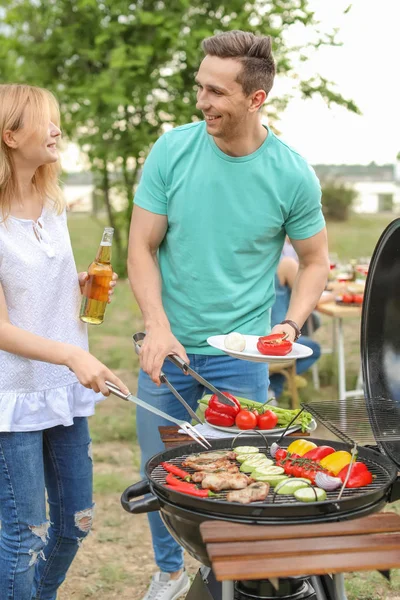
x=380 y=342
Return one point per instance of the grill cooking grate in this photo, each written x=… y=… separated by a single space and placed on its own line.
x=351 y=422
x=382 y=477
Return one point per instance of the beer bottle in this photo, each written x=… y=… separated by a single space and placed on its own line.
x=95 y=292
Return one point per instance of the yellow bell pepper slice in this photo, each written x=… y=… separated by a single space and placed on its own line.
x=300 y=447
x=335 y=462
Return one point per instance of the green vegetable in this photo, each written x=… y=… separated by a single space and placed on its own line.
x=246 y=450
x=251 y=465
x=268 y=478
x=267 y=470
x=292 y=486
x=307 y=494
x=284 y=415
x=243 y=457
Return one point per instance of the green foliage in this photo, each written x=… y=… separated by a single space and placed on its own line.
x=122 y=70
x=337 y=200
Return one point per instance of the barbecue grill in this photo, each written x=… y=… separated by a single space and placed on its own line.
x=372 y=424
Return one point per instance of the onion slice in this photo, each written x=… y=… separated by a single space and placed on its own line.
x=274 y=449
x=327 y=482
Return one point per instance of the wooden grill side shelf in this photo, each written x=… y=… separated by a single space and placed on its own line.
x=171 y=438
x=242 y=552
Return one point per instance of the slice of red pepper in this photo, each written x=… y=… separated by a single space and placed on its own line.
x=274 y=345
x=319 y=453
x=191 y=492
x=364 y=478
x=356 y=469
x=171 y=480
x=176 y=471
x=217 y=418
x=218 y=406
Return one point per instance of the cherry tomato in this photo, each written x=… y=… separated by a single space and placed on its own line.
x=280 y=454
x=267 y=420
x=347 y=298
x=246 y=420
x=297 y=470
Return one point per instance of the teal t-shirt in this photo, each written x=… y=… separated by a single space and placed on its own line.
x=227 y=220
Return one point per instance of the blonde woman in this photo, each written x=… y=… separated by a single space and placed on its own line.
x=49 y=382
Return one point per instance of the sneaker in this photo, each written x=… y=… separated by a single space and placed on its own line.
x=162 y=587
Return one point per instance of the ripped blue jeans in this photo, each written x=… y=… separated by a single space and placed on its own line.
x=36 y=552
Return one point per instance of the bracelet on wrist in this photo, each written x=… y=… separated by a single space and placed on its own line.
x=294 y=326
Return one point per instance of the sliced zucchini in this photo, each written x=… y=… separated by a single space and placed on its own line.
x=307 y=494
x=292 y=485
x=246 y=450
x=243 y=457
x=250 y=466
x=268 y=470
x=271 y=479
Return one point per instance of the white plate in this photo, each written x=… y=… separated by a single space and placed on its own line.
x=275 y=431
x=252 y=354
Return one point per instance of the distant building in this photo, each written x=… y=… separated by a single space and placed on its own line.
x=377 y=186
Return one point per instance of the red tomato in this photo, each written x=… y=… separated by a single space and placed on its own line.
x=280 y=454
x=267 y=420
x=358 y=298
x=347 y=298
x=246 y=420
x=297 y=470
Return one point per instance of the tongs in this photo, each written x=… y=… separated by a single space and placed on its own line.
x=184 y=425
x=176 y=360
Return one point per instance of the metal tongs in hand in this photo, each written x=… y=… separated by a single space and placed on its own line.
x=176 y=360
x=184 y=425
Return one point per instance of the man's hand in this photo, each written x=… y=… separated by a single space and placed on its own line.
x=84 y=276
x=285 y=328
x=157 y=344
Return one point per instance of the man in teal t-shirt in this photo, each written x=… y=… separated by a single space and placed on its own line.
x=215 y=201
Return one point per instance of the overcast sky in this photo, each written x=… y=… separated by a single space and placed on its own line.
x=366 y=69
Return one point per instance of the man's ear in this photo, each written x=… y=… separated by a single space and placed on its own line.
x=9 y=139
x=257 y=100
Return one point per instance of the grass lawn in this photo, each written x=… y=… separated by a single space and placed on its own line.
x=116 y=560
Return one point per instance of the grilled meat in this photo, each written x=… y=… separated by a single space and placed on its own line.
x=199 y=475
x=212 y=456
x=255 y=492
x=207 y=465
x=225 y=481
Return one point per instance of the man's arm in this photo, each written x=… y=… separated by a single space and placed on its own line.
x=147 y=231
x=310 y=280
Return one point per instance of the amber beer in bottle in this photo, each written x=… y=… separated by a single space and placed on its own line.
x=95 y=292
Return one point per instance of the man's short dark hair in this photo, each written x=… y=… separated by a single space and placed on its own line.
x=253 y=51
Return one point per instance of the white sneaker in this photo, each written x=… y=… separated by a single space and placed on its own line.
x=162 y=587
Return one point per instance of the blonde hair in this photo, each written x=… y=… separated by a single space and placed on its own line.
x=14 y=99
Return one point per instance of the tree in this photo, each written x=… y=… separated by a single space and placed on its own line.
x=337 y=200
x=124 y=69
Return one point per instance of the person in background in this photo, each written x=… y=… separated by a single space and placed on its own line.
x=213 y=206
x=49 y=382
x=284 y=281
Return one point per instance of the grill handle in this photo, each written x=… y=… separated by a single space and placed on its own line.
x=145 y=505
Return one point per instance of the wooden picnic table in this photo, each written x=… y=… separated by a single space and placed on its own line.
x=338 y=313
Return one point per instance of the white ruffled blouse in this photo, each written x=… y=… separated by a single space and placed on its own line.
x=40 y=283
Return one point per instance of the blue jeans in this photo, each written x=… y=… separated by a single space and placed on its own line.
x=241 y=378
x=303 y=364
x=34 y=554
